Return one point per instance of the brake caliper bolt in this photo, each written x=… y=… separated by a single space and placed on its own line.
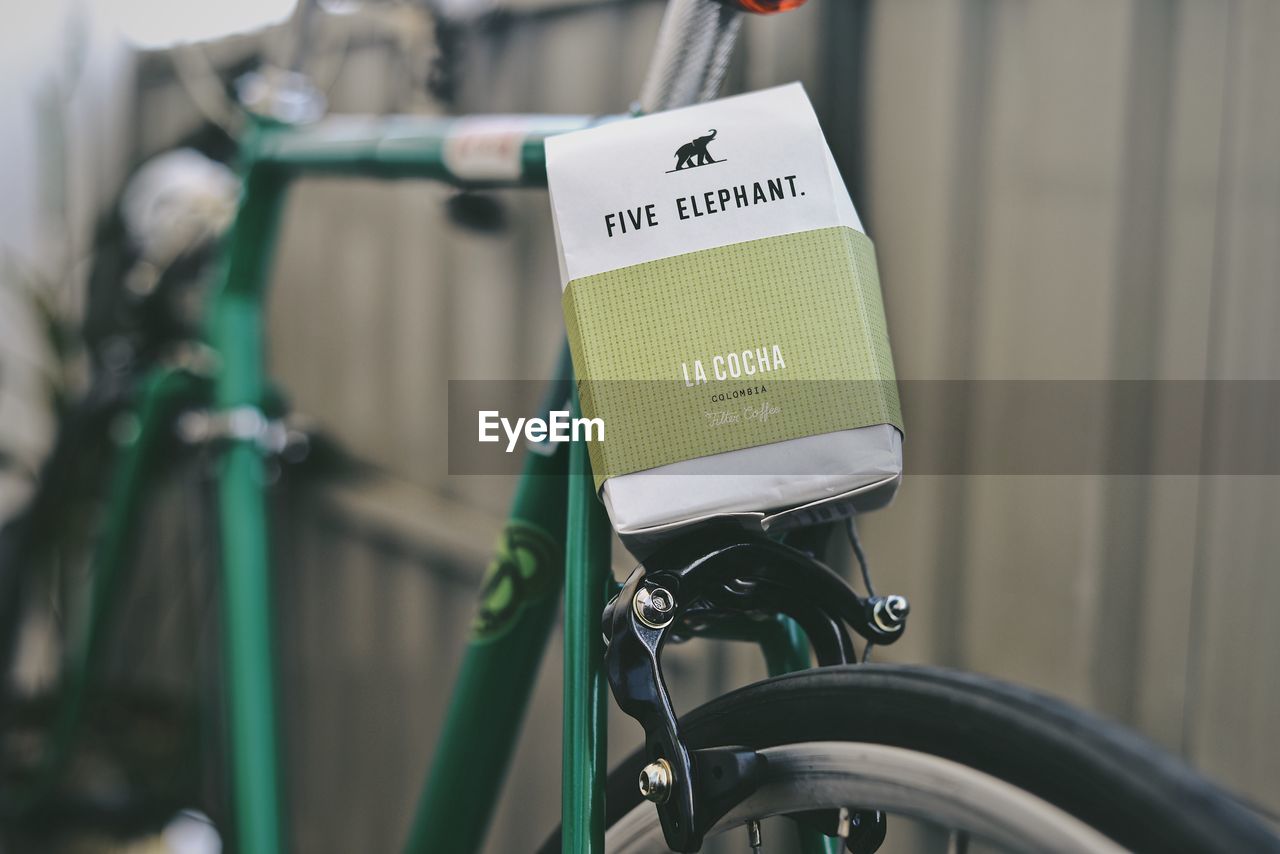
x=655 y=781
x=890 y=613
x=655 y=607
x=897 y=607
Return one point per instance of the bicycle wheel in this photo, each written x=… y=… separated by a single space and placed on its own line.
x=984 y=759
x=124 y=748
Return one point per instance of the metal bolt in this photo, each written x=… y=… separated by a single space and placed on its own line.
x=844 y=824
x=897 y=607
x=125 y=429
x=655 y=781
x=194 y=427
x=890 y=613
x=655 y=607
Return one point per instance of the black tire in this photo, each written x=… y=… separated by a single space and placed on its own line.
x=1106 y=776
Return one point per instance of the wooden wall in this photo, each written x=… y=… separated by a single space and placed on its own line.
x=1089 y=191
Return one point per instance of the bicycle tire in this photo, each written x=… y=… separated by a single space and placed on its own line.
x=1102 y=774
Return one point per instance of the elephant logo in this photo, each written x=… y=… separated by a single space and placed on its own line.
x=694 y=153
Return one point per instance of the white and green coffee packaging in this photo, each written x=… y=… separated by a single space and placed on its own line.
x=724 y=313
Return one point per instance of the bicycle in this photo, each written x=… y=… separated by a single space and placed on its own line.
x=835 y=747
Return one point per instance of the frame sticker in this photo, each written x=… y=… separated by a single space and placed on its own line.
x=524 y=570
x=490 y=148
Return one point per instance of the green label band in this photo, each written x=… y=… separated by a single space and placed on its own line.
x=730 y=348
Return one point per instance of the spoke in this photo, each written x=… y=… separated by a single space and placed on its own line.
x=753 y=836
x=958 y=842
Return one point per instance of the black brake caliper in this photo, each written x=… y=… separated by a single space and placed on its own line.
x=701 y=580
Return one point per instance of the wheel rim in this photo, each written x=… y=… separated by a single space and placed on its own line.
x=831 y=774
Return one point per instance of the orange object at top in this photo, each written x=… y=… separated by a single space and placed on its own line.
x=764 y=7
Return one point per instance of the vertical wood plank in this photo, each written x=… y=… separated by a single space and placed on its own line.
x=1234 y=687
x=1045 y=315
x=918 y=104
x=1189 y=226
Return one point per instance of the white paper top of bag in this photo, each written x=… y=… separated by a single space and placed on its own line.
x=638 y=190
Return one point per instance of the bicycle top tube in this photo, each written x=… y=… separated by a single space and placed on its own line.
x=467 y=152
x=689 y=63
x=695 y=43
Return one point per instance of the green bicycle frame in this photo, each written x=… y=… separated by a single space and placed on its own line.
x=557 y=535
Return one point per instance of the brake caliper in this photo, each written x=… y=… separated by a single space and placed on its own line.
x=700 y=581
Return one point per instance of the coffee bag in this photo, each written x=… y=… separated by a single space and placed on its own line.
x=724 y=313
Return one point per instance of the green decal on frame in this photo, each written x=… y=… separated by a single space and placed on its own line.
x=524 y=570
